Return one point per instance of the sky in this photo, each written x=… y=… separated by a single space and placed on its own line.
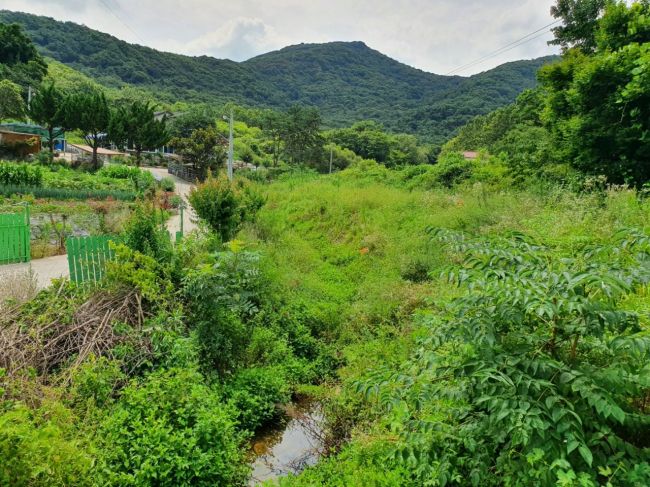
x=438 y=36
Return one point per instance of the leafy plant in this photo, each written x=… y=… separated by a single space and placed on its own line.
x=170 y=429
x=542 y=375
x=20 y=175
x=225 y=205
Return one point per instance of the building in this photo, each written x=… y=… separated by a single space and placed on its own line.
x=19 y=144
x=86 y=152
x=42 y=133
x=470 y=155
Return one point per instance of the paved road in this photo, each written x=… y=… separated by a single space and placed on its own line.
x=55 y=267
x=44 y=270
x=183 y=189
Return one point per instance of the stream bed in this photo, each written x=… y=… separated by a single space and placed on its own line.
x=291 y=445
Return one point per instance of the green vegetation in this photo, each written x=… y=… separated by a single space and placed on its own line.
x=225 y=206
x=20 y=63
x=590 y=113
x=11 y=101
x=20 y=174
x=460 y=321
x=347 y=81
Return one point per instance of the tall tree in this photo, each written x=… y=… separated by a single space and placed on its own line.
x=11 y=102
x=48 y=108
x=598 y=105
x=136 y=127
x=579 y=23
x=301 y=134
x=90 y=113
x=19 y=60
x=204 y=149
x=273 y=124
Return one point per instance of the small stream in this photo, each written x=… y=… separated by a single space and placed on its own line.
x=291 y=445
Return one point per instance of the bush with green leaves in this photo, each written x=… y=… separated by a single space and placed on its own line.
x=219 y=296
x=254 y=394
x=170 y=429
x=20 y=174
x=167 y=184
x=537 y=376
x=42 y=447
x=145 y=233
x=224 y=205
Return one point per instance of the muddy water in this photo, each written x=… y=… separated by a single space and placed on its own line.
x=293 y=444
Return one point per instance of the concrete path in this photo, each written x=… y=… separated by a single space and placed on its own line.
x=183 y=189
x=44 y=270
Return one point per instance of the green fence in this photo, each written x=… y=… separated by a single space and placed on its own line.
x=87 y=257
x=15 y=237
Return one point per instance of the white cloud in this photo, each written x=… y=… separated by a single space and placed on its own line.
x=237 y=39
x=434 y=35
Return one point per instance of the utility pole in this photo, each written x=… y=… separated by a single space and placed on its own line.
x=230 y=148
x=29 y=101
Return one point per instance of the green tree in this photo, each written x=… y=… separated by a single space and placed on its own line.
x=301 y=135
x=273 y=127
x=598 y=105
x=579 y=23
x=136 y=127
x=49 y=108
x=184 y=124
x=19 y=60
x=90 y=113
x=224 y=205
x=11 y=103
x=204 y=149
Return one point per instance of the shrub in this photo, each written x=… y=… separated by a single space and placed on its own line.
x=218 y=297
x=134 y=269
x=452 y=169
x=119 y=171
x=20 y=174
x=170 y=429
x=145 y=234
x=167 y=184
x=537 y=369
x=255 y=393
x=225 y=205
x=37 y=447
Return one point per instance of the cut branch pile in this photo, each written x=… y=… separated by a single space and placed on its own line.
x=68 y=341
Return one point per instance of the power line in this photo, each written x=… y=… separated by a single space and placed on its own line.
x=506 y=48
x=122 y=22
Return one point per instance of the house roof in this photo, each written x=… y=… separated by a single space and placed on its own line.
x=100 y=150
x=470 y=154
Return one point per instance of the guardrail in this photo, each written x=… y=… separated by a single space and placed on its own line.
x=187 y=173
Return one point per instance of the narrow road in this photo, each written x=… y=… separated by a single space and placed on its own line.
x=183 y=189
x=44 y=270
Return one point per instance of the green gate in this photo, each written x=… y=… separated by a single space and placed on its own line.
x=15 y=237
x=87 y=257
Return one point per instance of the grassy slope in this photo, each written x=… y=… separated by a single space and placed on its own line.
x=314 y=233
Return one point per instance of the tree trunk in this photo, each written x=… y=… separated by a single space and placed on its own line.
x=50 y=142
x=95 y=162
x=138 y=156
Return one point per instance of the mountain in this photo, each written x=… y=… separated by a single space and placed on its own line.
x=348 y=81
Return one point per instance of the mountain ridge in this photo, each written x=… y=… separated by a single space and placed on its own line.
x=348 y=81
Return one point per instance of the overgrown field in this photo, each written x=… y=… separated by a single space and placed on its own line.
x=468 y=336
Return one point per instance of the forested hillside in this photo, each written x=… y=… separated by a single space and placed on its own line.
x=348 y=81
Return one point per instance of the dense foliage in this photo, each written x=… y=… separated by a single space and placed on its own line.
x=590 y=113
x=19 y=60
x=224 y=205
